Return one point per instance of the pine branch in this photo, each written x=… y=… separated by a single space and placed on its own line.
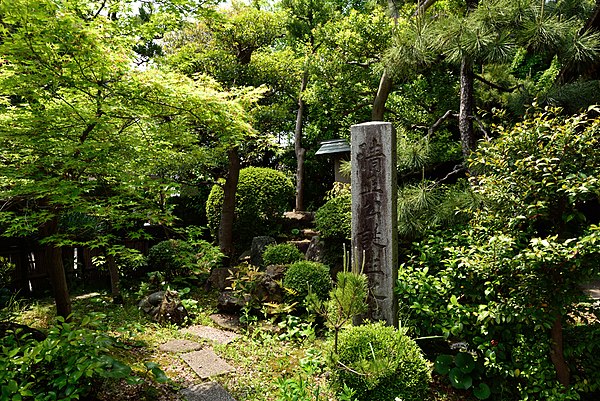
x=447 y=115
x=495 y=86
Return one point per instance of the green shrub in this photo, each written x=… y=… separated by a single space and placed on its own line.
x=64 y=366
x=333 y=219
x=380 y=363
x=262 y=196
x=173 y=258
x=303 y=276
x=281 y=254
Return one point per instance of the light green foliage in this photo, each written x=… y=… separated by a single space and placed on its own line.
x=83 y=130
x=304 y=277
x=333 y=219
x=380 y=363
x=262 y=196
x=177 y=258
x=517 y=269
x=281 y=254
x=64 y=366
x=347 y=299
x=427 y=206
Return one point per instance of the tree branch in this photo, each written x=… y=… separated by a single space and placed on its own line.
x=447 y=115
x=493 y=85
x=482 y=127
x=423 y=6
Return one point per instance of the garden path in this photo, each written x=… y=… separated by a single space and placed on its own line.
x=203 y=361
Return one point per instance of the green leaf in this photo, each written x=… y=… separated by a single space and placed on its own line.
x=482 y=391
x=159 y=375
x=459 y=379
x=443 y=364
x=465 y=362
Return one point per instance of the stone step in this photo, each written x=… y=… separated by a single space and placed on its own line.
x=212 y=334
x=178 y=346
x=206 y=363
x=210 y=391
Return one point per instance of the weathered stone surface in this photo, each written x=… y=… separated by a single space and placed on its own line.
x=374 y=215
x=258 y=247
x=229 y=303
x=314 y=253
x=219 y=277
x=211 y=391
x=302 y=245
x=226 y=321
x=176 y=346
x=164 y=306
x=210 y=333
x=206 y=363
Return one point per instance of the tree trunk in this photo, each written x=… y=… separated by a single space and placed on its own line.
x=298 y=149
x=115 y=287
x=228 y=211
x=557 y=355
x=383 y=92
x=52 y=258
x=465 y=122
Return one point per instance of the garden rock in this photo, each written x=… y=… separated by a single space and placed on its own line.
x=229 y=303
x=226 y=321
x=219 y=278
x=314 y=253
x=258 y=247
x=269 y=288
x=164 y=306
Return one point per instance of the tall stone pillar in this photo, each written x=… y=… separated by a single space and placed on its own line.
x=374 y=216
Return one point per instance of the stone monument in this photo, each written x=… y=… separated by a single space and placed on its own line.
x=374 y=216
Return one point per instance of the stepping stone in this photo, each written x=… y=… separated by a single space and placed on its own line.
x=206 y=363
x=176 y=346
x=210 y=333
x=207 y=392
x=229 y=322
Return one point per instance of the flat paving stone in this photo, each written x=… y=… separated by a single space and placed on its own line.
x=206 y=392
x=206 y=363
x=210 y=333
x=176 y=346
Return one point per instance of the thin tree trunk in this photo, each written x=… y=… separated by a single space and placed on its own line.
x=557 y=355
x=383 y=92
x=298 y=149
x=115 y=287
x=465 y=122
x=52 y=258
x=228 y=211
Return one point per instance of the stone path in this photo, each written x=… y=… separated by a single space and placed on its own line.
x=206 y=363
x=203 y=361
x=207 y=392
x=177 y=346
x=210 y=333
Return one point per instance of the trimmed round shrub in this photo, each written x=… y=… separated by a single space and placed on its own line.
x=173 y=258
x=301 y=276
x=262 y=196
x=333 y=219
x=389 y=364
x=281 y=254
